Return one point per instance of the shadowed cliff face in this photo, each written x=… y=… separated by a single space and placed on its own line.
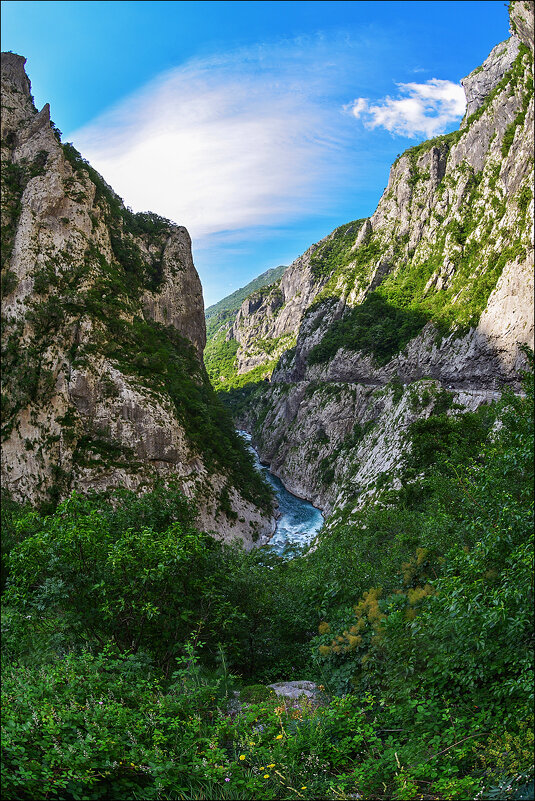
x=433 y=293
x=103 y=383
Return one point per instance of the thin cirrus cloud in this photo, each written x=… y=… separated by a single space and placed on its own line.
x=226 y=143
x=239 y=143
x=421 y=109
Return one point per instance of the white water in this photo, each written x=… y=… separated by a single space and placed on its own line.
x=299 y=521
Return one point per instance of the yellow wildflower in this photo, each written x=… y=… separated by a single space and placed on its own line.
x=266 y=776
x=272 y=765
x=278 y=737
x=242 y=756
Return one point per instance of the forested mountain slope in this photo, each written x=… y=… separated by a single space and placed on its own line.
x=220 y=356
x=432 y=294
x=103 y=383
x=232 y=302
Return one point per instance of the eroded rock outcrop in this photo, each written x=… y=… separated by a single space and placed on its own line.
x=103 y=383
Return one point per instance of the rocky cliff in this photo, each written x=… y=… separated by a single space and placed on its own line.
x=432 y=294
x=220 y=354
x=247 y=345
x=103 y=383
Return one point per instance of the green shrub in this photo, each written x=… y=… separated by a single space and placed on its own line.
x=138 y=586
x=374 y=327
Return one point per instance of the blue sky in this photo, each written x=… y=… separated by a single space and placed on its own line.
x=261 y=126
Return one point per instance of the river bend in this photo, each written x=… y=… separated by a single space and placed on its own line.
x=299 y=521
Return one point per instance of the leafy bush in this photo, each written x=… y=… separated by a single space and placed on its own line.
x=444 y=628
x=138 y=586
x=103 y=726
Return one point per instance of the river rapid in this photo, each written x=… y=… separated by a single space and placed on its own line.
x=299 y=521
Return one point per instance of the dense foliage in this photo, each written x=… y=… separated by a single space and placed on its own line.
x=126 y=629
x=373 y=327
x=337 y=251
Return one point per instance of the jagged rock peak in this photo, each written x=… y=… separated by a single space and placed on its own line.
x=13 y=72
x=481 y=81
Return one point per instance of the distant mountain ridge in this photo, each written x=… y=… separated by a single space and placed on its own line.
x=233 y=301
x=221 y=356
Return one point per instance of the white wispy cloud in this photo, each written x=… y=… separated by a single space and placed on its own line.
x=225 y=143
x=421 y=109
x=246 y=141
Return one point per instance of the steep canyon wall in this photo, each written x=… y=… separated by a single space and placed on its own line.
x=103 y=383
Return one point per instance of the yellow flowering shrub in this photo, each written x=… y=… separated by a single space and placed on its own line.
x=507 y=753
x=418 y=568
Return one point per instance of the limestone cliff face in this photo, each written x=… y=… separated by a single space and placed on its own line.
x=266 y=324
x=480 y=83
x=104 y=330
x=274 y=314
x=458 y=212
x=521 y=14
x=432 y=293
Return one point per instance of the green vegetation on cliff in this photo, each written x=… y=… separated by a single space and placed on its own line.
x=220 y=352
x=224 y=308
x=126 y=630
x=394 y=287
x=105 y=295
x=14 y=178
x=373 y=327
x=222 y=366
x=447 y=281
x=334 y=255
